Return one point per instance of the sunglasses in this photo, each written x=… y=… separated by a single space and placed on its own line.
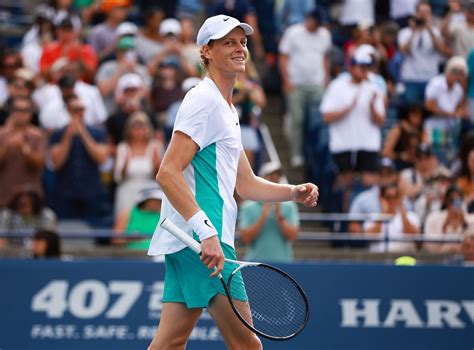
x=77 y=109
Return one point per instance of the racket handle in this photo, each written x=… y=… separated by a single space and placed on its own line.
x=169 y=226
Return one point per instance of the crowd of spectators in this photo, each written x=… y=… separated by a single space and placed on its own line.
x=379 y=96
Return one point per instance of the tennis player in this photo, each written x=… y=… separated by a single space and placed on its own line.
x=203 y=165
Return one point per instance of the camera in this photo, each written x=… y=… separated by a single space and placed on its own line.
x=419 y=22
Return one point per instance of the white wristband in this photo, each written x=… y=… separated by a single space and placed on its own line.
x=201 y=224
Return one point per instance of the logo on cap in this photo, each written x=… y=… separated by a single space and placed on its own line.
x=226 y=19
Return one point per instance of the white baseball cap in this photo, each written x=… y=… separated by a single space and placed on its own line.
x=170 y=26
x=126 y=28
x=129 y=80
x=217 y=27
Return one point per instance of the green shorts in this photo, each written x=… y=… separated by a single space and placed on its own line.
x=188 y=281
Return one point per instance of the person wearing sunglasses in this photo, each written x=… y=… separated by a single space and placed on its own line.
x=76 y=152
x=22 y=150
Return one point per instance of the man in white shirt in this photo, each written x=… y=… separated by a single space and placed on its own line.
x=422 y=46
x=304 y=69
x=355 y=111
x=461 y=33
x=53 y=112
x=446 y=101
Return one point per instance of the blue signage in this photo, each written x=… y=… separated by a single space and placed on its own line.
x=116 y=304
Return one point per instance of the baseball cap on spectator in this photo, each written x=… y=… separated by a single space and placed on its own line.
x=126 y=43
x=441 y=173
x=25 y=74
x=362 y=58
x=456 y=64
x=149 y=193
x=217 y=27
x=423 y=149
x=126 y=28
x=170 y=26
x=129 y=81
x=269 y=168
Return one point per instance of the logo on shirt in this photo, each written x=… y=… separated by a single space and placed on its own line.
x=206 y=222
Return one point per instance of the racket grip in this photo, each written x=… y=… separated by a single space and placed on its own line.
x=169 y=226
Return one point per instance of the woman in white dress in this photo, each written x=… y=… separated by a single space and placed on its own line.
x=137 y=162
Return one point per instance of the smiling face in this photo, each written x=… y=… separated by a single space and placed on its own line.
x=228 y=54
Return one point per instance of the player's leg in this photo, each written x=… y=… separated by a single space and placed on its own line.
x=236 y=335
x=176 y=325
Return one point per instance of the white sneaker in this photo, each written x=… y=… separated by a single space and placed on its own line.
x=297 y=161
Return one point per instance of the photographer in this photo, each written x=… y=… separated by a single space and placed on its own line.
x=421 y=44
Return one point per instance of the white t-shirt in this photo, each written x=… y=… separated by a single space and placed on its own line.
x=463 y=37
x=208 y=119
x=446 y=99
x=422 y=62
x=305 y=51
x=394 y=229
x=357 y=11
x=53 y=113
x=355 y=131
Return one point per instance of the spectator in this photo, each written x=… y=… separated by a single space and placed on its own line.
x=467 y=248
x=46 y=245
x=76 y=152
x=466 y=179
x=249 y=99
x=413 y=180
x=149 y=39
x=189 y=48
x=51 y=98
x=432 y=196
x=111 y=71
x=421 y=45
x=26 y=210
x=141 y=219
x=69 y=45
x=103 y=36
x=403 y=138
x=166 y=90
x=403 y=222
x=64 y=9
x=130 y=98
x=137 y=162
x=22 y=151
x=170 y=31
x=460 y=33
x=40 y=34
x=269 y=228
x=10 y=61
x=21 y=85
x=355 y=111
x=304 y=69
x=446 y=101
x=368 y=201
x=452 y=219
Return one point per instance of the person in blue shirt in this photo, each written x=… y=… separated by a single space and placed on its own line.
x=76 y=152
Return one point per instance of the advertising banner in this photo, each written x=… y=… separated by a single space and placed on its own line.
x=116 y=304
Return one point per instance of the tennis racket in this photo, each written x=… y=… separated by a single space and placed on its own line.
x=267 y=300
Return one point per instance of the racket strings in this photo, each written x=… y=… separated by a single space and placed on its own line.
x=269 y=301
